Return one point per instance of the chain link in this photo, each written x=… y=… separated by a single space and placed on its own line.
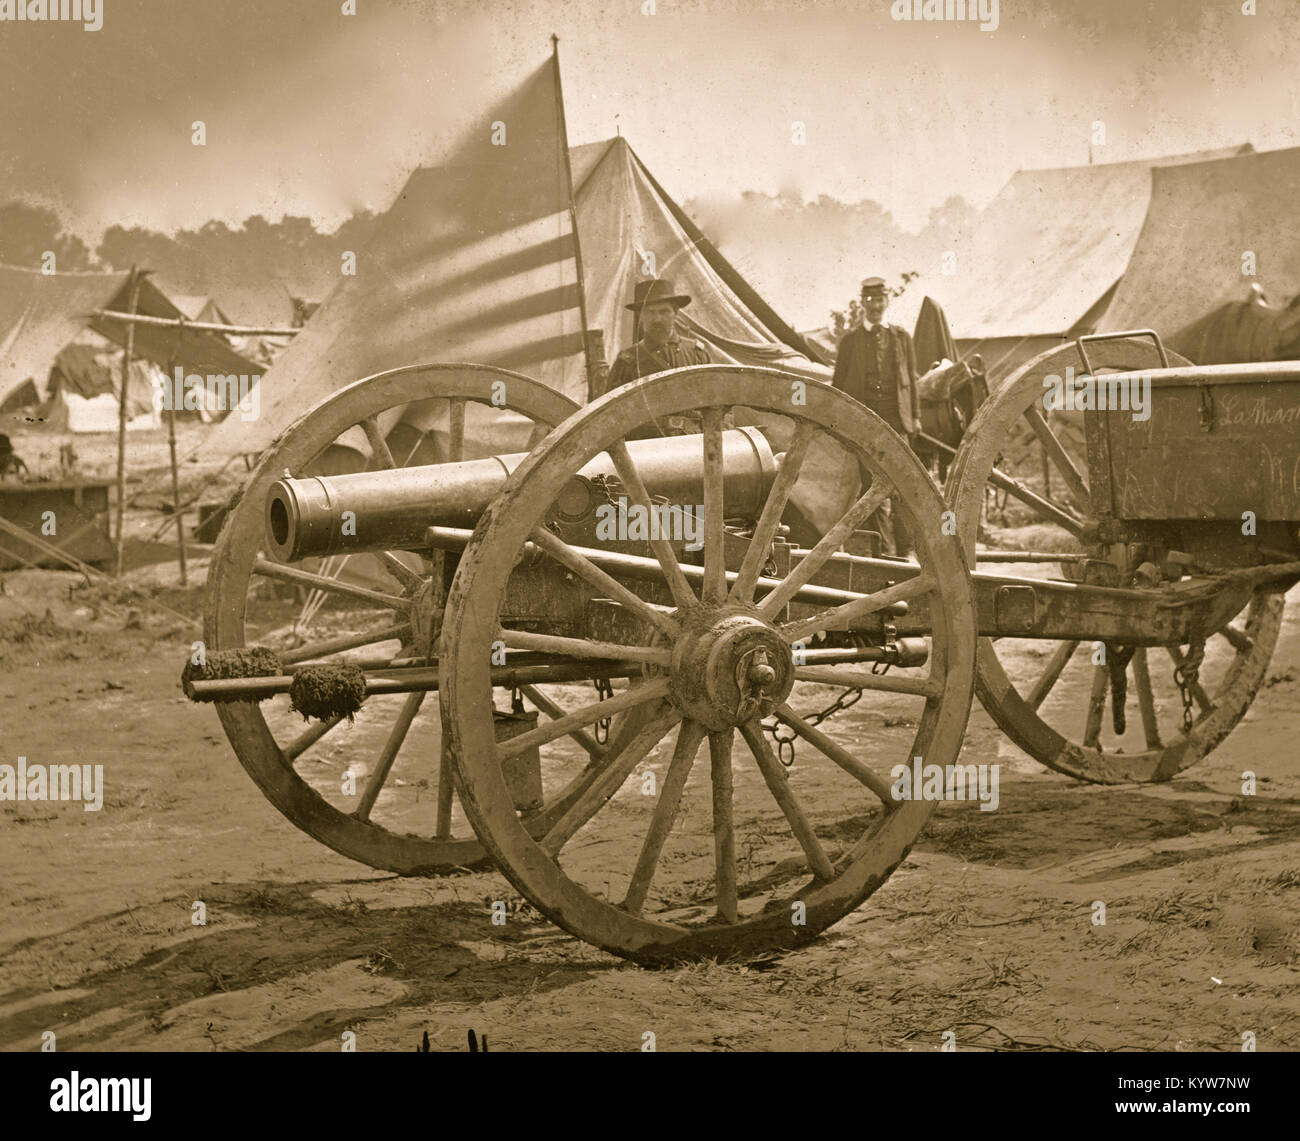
x=1185 y=676
x=604 y=691
x=610 y=486
x=784 y=735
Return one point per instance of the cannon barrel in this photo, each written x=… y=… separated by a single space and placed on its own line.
x=390 y=510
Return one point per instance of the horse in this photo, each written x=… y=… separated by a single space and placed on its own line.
x=948 y=395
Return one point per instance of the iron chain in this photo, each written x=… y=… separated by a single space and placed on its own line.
x=1185 y=676
x=784 y=735
x=604 y=690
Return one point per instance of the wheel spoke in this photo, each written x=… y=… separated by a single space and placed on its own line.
x=929 y=686
x=840 y=755
x=598 y=793
x=742 y=590
x=564 y=554
x=636 y=489
x=589 y=744
x=399 y=570
x=538 y=434
x=539 y=823
x=388 y=754
x=587 y=715
x=715 y=584
x=415 y=447
x=827 y=545
x=724 y=830
x=1238 y=639
x=1201 y=697
x=586 y=648
x=456 y=430
x=1055 y=667
x=306 y=578
x=331 y=568
x=689 y=737
x=1047 y=508
x=1096 y=706
x=308 y=738
x=346 y=642
x=1146 y=701
x=446 y=788
x=1060 y=458
x=779 y=786
x=381 y=457
x=843 y=617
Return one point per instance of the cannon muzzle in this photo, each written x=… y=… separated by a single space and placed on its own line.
x=390 y=510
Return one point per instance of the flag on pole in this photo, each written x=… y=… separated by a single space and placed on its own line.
x=475 y=262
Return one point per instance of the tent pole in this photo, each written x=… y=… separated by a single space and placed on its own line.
x=171 y=444
x=592 y=379
x=121 y=426
x=176 y=495
x=197 y=326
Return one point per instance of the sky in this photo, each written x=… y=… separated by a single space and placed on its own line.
x=312 y=111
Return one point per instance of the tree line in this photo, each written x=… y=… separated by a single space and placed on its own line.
x=291 y=251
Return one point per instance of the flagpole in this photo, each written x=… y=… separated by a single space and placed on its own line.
x=573 y=217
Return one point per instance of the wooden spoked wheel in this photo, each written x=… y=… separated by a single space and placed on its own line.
x=1026 y=685
x=736 y=856
x=399 y=815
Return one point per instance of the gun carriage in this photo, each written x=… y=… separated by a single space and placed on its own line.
x=504 y=583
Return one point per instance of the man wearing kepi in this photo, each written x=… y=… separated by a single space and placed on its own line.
x=876 y=365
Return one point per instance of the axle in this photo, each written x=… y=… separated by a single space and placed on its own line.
x=525 y=670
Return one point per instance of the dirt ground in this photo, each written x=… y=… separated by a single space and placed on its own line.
x=985 y=930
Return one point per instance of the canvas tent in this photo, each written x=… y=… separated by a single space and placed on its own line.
x=623 y=215
x=261 y=303
x=257 y=303
x=41 y=314
x=1043 y=257
x=252 y=304
x=200 y=307
x=475 y=261
x=85 y=382
x=1186 y=278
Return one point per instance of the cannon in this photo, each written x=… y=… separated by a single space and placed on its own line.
x=661 y=571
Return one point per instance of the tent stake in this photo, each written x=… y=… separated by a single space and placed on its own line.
x=121 y=426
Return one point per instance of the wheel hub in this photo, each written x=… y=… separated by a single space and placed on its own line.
x=729 y=668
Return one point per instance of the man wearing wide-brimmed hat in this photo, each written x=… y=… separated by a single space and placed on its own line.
x=876 y=364
x=656 y=303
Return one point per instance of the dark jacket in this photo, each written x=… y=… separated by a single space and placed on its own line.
x=853 y=363
x=640 y=360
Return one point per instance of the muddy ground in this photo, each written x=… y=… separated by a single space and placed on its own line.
x=985 y=930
